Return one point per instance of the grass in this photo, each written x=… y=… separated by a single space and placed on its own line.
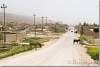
x=93 y=51
x=92 y=48
x=13 y=51
x=88 y=39
x=16 y=49
x=35 y=39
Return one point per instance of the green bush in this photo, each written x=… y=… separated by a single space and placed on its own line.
x=14 y=44
x=88 y=39
x=96 y=30
x=3 y=49
x=93 y=51
x=35 y=44
x=83 y=38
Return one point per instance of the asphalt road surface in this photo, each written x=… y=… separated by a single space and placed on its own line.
x=60 y=53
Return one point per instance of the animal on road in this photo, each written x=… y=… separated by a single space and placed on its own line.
x=76 y=39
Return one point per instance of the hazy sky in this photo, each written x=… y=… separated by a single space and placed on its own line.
x=68 y=11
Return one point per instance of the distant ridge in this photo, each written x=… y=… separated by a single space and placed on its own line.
x=19 y=18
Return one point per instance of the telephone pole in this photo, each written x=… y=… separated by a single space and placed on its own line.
x=4 y=25
x=42 y=22
x=46 y=20
x=55 y=27
x=35 y=26
x=16 y=32
x=34 y=19
x=82 y=31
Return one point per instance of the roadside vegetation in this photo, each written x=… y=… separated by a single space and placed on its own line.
x=57 y=28
x=93 y=51
x=23 y=43
x=35 y=39
x=15 y=48
x=86 y=40
x=89 y=36
x=91 y=45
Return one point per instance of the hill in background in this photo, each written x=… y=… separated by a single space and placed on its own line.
x=21 y=19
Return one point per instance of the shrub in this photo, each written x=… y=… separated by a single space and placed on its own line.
x=14 y=44
x=82 y=38
x=35 y=44
x=96 y=30
x=88 y=39
x=93 y=51
x=4 y=49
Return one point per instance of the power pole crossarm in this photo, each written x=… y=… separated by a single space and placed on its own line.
x=4 y=6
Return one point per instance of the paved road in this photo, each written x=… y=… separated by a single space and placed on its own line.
x=61 y=53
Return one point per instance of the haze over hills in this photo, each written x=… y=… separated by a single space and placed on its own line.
x=23 y=22
x=20 y=19
x=10 y=17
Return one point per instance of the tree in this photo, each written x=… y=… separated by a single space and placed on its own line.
x=94 y=24
x=96 y=30
x=85 y=24
x=82 y=30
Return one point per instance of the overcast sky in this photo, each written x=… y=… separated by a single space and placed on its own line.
x=68 y=11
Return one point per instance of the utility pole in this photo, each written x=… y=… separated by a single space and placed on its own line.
x=35 y=26
x=16 y=32
x=35 y=30
x=46 y=20
x=55 y=27
x=82 y=30
x=42 y=22
x=34 y=19
x=4 y=25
